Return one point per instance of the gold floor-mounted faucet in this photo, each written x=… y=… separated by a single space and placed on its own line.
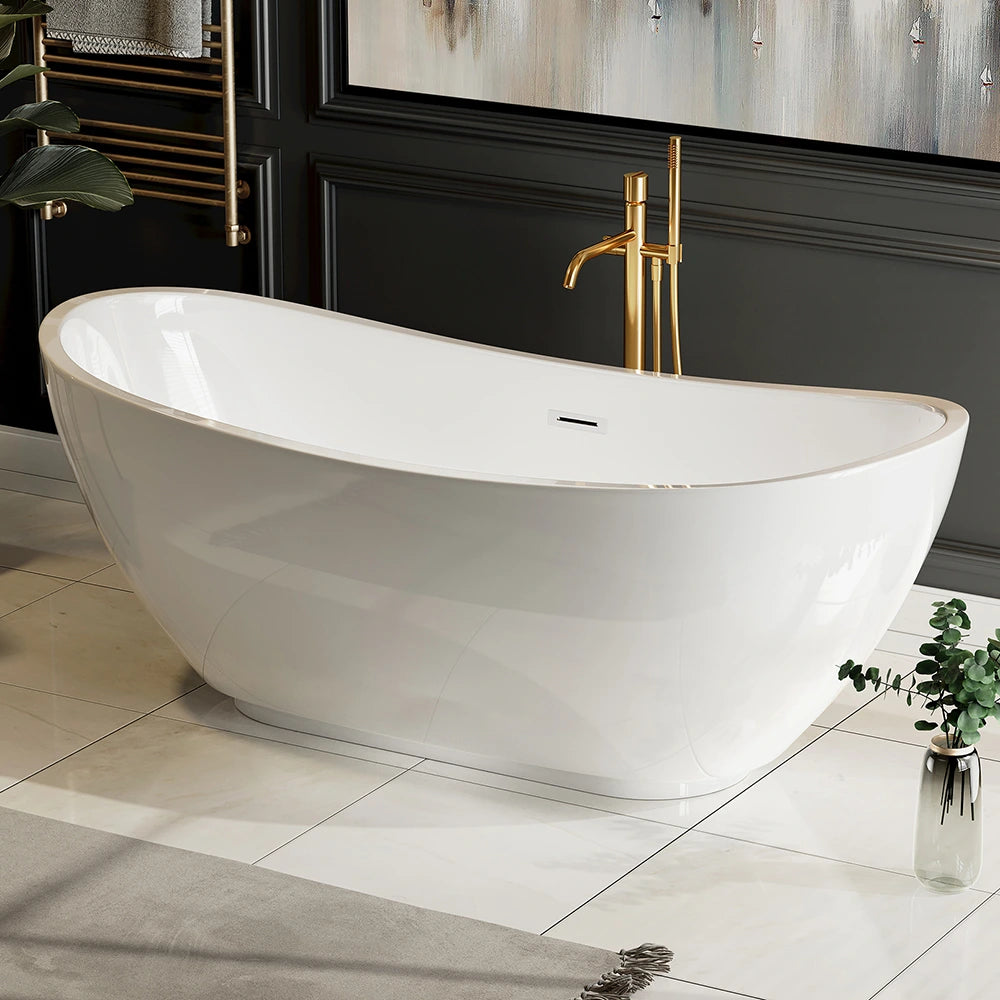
x=632 y=245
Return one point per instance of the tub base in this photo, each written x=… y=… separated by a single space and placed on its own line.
x=621 y=788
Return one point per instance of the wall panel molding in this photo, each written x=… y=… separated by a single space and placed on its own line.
x=264 y=167
x=257 y=58
x=729 y=220
x=327 y=280
x=973 y=569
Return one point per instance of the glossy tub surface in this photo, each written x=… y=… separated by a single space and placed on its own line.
x=392 y=538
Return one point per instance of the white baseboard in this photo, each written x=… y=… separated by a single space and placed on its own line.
x=34 y=462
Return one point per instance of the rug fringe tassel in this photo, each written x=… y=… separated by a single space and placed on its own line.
x=639 y=966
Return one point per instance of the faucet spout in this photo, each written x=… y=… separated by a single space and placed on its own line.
x=608 y=245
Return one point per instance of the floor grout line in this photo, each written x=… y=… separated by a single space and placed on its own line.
x=903 y=743
x=924 y=637
x=715 y=989
x=690 y=829
x=341 y=809
x=850 y=715
x=66 y=585
x=547 y=798
x=92 y=743
x=950 y=930
x=139 y=712
x=106 y=586
x=49 y=576
x=824 y=857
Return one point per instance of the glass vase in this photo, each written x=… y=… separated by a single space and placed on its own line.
x=948 y=837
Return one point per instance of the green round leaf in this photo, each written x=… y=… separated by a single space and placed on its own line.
x=966 y=721
x=924 y=725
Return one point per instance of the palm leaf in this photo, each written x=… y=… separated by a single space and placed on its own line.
x=53 y=116
x=20 y=72
x=10 y=14
x=70 y=173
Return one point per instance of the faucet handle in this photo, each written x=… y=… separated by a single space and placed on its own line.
x=636 y=184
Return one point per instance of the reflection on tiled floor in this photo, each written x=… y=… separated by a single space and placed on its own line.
x=794 y=883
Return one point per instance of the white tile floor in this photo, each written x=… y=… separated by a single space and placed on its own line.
x=793 y=884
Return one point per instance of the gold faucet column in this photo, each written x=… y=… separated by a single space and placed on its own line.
x=674 y=240
x=635 y=270
x=631 y=244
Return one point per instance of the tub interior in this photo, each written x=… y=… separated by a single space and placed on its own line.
x=328 y=381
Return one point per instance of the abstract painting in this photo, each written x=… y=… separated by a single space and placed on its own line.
x=913 y=75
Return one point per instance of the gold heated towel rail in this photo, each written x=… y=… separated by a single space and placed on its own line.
x=188 y=167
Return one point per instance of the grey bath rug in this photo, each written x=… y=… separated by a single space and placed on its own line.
x=86 y=915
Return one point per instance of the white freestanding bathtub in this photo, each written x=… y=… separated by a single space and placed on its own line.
x=633 y=584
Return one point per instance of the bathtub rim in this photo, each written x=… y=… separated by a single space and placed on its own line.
x=956 y=417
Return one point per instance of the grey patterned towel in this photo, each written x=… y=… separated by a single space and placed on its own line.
x=132 y=27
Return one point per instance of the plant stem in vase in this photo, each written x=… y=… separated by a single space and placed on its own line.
x=948 y=836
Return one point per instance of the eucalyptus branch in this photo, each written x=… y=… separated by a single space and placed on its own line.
x=962 y=684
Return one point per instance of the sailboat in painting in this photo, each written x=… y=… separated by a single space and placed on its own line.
x=915 y=33
x=986 y=77
x=757 y=38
